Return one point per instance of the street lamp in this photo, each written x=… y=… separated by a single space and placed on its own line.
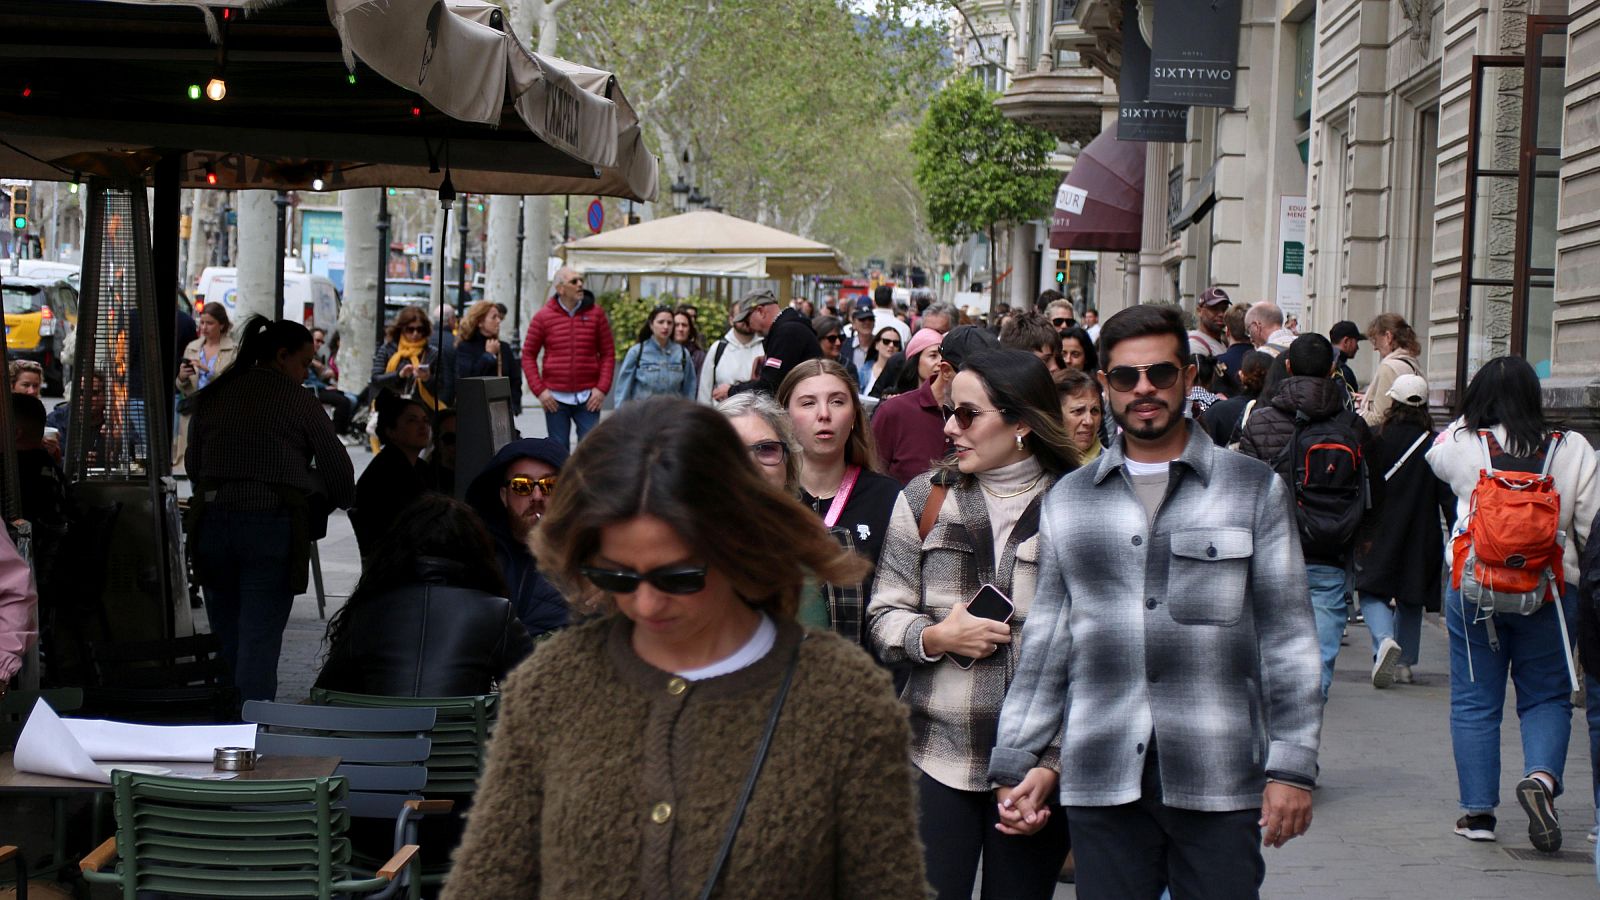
x=462 y=227
x=680 y=194
x=696 y=201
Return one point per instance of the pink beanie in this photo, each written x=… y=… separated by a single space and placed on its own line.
x=922 y=340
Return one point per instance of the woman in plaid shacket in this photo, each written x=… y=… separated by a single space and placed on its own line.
x=1010 y=447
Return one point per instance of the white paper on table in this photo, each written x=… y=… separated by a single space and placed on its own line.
x=124 y=742
x=47 y=747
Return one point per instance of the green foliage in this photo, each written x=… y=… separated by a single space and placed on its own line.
x=976 y=167
x=783 y=105
x=629 y=314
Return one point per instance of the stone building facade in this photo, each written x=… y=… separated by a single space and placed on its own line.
x=1444 y=173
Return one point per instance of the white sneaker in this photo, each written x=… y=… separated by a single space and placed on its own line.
x=1383 y=668
x=1402 y=675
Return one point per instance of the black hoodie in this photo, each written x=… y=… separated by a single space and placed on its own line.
x=539 y=605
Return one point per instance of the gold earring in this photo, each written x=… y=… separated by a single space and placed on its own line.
x=1019 y=442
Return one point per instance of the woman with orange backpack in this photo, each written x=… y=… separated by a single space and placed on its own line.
x=1526 y=494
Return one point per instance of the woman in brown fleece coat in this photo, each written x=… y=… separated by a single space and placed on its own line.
x=624 y=744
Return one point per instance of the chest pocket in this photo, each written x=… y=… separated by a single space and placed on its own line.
x=949 y=567
x=1206 y=575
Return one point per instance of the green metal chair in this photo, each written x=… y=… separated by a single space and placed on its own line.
x=460 y=735
x=235 y=839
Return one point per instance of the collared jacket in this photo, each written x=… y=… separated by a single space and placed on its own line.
x=650 y=370
x=728 y=361
x=579 y=353
x=953 y=710
x=789 y=342
x=1196 y=632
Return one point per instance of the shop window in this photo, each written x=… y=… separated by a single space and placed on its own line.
x=1507 y=304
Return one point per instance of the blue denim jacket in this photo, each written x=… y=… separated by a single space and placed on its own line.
x=649 y=371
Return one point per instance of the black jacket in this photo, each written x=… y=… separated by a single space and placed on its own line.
x=1401 y=554
x=789 y=342
x=430 y=639
x=473 y=361
x=389 y=485
x=1589 y=602
x=865 y=516
x=1271 y=428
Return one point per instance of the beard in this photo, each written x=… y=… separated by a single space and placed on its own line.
x=1151 y=430
x=523 y=525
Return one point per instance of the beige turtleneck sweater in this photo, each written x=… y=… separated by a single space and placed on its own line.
x=1004 y=511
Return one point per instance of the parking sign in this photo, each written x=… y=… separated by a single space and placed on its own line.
x=425 y=244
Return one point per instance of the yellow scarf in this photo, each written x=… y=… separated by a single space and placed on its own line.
x=411 y=350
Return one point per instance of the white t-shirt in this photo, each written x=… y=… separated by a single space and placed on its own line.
x=759 y=645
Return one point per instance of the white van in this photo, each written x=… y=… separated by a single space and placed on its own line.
x=309 y=299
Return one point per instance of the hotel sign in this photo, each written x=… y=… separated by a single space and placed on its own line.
x=1137 y=118
x=1196 y=53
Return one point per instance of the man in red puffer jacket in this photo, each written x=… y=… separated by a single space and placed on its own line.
x=579 y=358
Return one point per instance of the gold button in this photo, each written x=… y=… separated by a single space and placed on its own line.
x=660 y=813
x=677 y=686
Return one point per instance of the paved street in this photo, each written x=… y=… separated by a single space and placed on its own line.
x=1383 y=816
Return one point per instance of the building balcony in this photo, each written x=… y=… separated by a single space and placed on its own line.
x=1068 y=102
x=1095 y=34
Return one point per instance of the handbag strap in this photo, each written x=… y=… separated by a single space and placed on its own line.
x=750 y=780
x=1421 y=438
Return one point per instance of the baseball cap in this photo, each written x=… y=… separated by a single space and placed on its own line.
x=964 y=341
x=1215 y=296
x=1346 y=329
x=863 y=308
x=1411 y=390
x=750 y=302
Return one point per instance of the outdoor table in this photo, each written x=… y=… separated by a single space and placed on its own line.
x=268 y=767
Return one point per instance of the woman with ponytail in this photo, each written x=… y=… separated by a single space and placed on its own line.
x=266 y=467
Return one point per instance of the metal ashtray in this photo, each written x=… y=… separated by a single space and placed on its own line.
x=233 y=759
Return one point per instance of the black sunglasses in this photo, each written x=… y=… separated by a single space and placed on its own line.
x=769 y=453
x=667 y=579
x=964 y=414
x=832 y=338
x=1061 y=323
x=889 y=342
x=1162 y=375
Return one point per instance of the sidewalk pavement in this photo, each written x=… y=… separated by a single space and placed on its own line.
x=1383 y=816
x=1384 y=813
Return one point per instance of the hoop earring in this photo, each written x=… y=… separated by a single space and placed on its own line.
x=1020 y=445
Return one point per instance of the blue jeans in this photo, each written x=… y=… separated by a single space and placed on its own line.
x=1403 y=623
x=1530 y=651
x=560 y=423
x=1329 y=587
x=243 y=565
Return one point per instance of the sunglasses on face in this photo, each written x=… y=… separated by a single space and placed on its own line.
x=667 y=579
x=1162 y=375
x=769 y=453
x=889 y=342
x=963 y=414
x=416 y=329
x=523 y=486
x=574 y=281
x=832 y=338
x=1060 y=323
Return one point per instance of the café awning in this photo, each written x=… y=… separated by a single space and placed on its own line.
x=702 y=243
x=1100 y=205
x=356 y=93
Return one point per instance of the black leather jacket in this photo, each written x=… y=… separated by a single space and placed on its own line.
x=427 y=640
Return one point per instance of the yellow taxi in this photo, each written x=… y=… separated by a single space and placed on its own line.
x=40 y=315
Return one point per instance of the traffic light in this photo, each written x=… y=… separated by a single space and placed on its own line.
x=947 y=277
x=19 y=208
x=1063 y=264
x=1061 y=277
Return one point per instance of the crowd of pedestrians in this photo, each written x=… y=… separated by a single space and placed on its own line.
x=1105 y=567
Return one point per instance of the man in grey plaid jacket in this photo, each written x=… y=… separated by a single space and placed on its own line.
x=1171 y=645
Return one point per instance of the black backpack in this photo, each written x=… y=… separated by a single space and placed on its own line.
x=1322 y=463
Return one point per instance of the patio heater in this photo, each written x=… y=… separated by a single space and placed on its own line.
x=118 y=454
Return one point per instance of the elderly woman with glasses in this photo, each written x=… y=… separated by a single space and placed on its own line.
x=769 y=434
x=406 y=363
x=955 y=581
x=723 y=749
